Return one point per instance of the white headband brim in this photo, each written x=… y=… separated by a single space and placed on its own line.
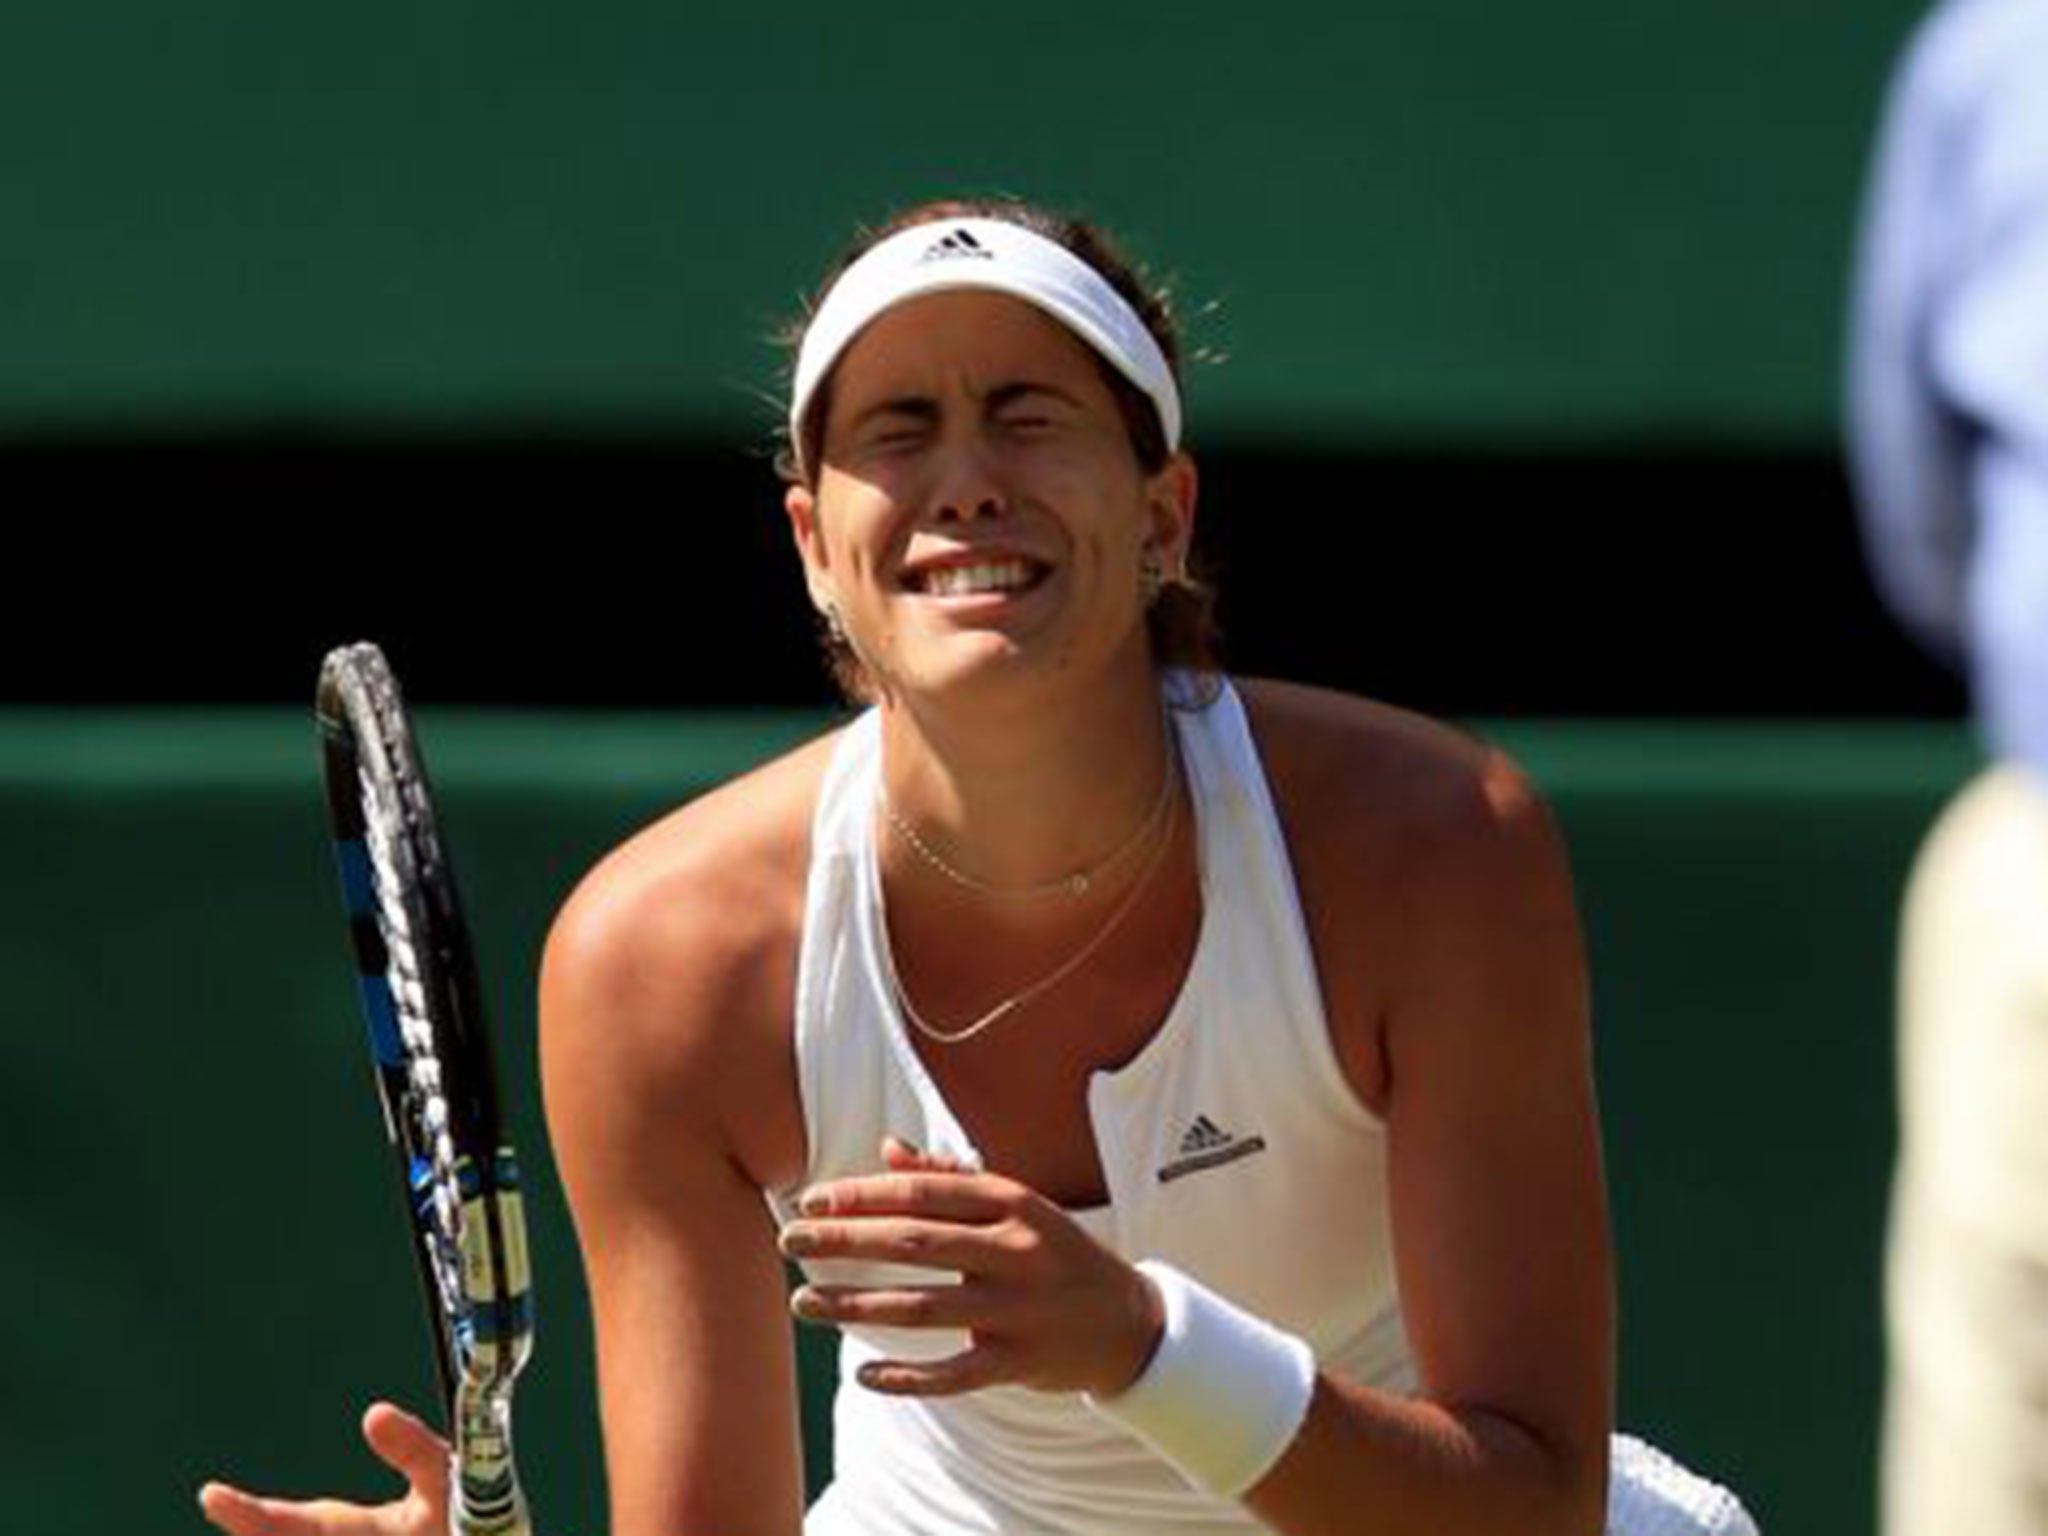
x=997 y=256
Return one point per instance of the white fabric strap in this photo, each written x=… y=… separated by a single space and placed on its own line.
x=1650 y=1494
x=1225 y=1392
x=992 y=254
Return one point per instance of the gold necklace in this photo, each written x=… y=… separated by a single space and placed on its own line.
x=1077 y=884
x=1051 y=979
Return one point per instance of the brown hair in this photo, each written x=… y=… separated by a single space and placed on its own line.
x=1181 y=621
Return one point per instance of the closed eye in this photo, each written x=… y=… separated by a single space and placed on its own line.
x=893 y=423
x=892 y=433
x=1026 y=406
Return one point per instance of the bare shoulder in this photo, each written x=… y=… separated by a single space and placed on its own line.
x=1415 y=846
x=669 y=972
x=1398 y=789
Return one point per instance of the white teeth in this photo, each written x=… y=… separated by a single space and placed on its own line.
x=967 y=580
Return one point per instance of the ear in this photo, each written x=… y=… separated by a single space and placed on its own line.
x=1170 y=507
x=801 y=504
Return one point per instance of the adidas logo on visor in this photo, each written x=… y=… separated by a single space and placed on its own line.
x=955 y=245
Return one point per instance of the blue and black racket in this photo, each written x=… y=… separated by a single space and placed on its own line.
x=421 y=1000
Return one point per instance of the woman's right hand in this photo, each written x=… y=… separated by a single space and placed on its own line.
x=401 y=1442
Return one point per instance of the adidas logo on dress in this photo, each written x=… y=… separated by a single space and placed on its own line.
x=1207 y=1145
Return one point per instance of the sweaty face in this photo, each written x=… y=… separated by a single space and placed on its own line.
x=980 y=510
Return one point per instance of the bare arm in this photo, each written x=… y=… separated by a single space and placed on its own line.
x=1499 y=1213
x=652 y=1062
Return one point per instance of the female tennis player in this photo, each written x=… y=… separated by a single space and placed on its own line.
x=1177 y=1089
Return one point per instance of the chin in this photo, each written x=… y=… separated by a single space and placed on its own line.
x=984 y=662
x=996 y=672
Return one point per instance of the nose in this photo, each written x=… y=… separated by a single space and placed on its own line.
x=968 y=488
x=982 y=508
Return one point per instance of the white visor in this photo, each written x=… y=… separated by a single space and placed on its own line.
x=988 y=254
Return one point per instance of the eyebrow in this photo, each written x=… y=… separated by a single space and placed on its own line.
x=925 y=408
x=1008 y=394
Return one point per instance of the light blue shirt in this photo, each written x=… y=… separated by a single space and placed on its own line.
x=1948 y=364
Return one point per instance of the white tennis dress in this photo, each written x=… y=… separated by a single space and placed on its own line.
x=1232 y=1147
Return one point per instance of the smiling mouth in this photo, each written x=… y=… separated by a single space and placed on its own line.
x=979 y=578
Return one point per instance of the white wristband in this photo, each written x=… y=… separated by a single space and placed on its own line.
x=1224 y=1393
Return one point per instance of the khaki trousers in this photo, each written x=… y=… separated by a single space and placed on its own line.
x=1966 y=1412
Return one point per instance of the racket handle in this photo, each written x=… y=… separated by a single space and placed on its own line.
x=484 y=1496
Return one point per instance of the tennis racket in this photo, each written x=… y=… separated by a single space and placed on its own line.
x=417 y=980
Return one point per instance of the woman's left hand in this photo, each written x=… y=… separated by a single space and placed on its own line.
x=1044 y=1304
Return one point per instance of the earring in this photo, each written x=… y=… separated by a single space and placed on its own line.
x=1151 y=577
x=835 y=628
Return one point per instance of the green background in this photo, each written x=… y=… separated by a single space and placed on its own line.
x=206 y=1270
x=1399 y=220
x=1581 y=226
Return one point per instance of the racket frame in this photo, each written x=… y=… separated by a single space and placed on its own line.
x=436 y=1078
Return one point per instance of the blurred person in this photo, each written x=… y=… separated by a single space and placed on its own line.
x=1948 y=433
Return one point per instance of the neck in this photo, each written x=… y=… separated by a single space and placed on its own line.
x=1023 y=797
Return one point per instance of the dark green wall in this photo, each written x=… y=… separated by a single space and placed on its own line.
x=205 y=1269
x=1580 y=219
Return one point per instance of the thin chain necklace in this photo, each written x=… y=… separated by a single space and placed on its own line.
x=1053 y=978
x=1077 y=884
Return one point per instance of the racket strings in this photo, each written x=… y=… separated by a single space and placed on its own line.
x=435 y=1177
